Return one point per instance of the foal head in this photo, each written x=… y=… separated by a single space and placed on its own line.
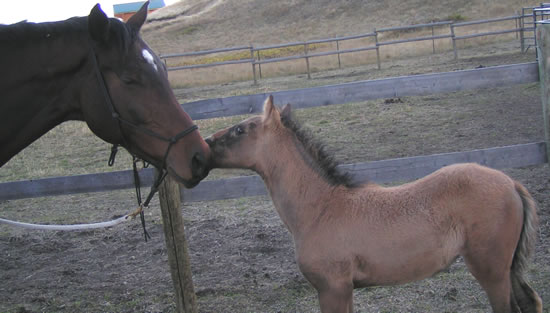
x=258 y=143
x=241 y=145
x=137 y=83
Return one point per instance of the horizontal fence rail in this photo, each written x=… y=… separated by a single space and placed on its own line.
x=492 y=20
x=175 y=68
x=414 y=85
x=393 y=42
x=205 y=52
x=67 y=185
x=256 y=59
x=487 y=34
x=379 y=171
x=385 y=171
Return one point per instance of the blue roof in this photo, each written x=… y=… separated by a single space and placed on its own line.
x=135 y=6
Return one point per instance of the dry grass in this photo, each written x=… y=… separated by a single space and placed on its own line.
x=183 y=29
x=243 y=72
x=263 y=22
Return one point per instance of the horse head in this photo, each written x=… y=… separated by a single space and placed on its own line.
x=136 y=108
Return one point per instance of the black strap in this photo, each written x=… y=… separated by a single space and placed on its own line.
x=137 y=184
x=116 y=116
x=171 y=141
x=114 y=150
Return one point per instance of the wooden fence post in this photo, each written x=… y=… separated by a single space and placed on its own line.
x=454 y=40
x=176 y=245
x=521 y=36
x=543 y=48
x=338 y=49
x=307 y=61
x=433 y=40
x=377 y=48
x=253 y=65
x=259 y=65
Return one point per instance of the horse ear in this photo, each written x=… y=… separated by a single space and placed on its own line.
x=98 y=24
x=270 y=110
x=136 y=21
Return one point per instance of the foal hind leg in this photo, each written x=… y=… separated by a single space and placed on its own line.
x=494 y=278
x=527 y=298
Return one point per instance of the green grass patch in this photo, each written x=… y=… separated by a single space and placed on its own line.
x=456 y=17
x=245 y=54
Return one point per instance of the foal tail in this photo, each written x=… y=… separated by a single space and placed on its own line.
x=527 y=299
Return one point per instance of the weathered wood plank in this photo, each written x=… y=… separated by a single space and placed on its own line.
x=543 y=50
x=385 y=171
x=229 y=188
x=73 y=184
x=378 y=171
x=415 y=85
x=404 y=169
x=175 y=68
x=203 y=52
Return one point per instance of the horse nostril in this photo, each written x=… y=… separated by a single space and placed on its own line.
x=198 y=164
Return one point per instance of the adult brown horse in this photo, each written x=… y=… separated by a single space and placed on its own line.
x=349 y=235
x=98 y=70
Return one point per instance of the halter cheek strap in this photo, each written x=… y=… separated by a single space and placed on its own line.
x=115 y=115
x=163 y=171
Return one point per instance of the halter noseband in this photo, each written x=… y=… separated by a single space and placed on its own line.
x=163 y=171
x=115 y=115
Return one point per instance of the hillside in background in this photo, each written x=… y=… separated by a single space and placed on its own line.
x=191 y=25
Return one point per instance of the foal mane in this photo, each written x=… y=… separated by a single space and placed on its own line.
x=321 y=161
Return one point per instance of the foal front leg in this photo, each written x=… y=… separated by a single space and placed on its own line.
x=336 y=300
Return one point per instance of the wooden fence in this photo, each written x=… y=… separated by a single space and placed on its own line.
x=414 y=85
x=256 y=57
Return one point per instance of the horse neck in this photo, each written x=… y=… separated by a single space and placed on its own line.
x=297 y=190
x=40 y=87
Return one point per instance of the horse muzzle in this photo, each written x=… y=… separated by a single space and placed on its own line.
x=199 y=171
x=199 y=166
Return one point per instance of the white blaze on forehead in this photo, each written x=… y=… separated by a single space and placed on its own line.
x=149 y=58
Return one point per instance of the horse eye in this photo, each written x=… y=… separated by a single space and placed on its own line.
x=129 y=80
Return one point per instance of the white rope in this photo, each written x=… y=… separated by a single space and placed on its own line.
x=67 y=227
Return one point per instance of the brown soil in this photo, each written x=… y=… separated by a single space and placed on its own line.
x=242 y=256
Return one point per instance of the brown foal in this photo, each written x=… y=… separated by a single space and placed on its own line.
x=350 y=235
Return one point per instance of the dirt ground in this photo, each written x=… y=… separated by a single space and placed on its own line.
x=242 y=256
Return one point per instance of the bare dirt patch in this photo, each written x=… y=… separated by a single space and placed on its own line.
x=242 y=256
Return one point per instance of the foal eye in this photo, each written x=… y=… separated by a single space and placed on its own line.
x=239 y=130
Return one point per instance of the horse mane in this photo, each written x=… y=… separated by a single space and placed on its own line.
x=321 y=161
x=29 y=30
x=25 y=31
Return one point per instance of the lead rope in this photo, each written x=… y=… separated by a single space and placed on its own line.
x=137 y=185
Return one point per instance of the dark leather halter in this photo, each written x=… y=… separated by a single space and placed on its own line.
x=162 y=170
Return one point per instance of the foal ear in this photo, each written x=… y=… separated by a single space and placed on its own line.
x=270 y=110
x=286 y=111
x=98 y=24
x=136 y=21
